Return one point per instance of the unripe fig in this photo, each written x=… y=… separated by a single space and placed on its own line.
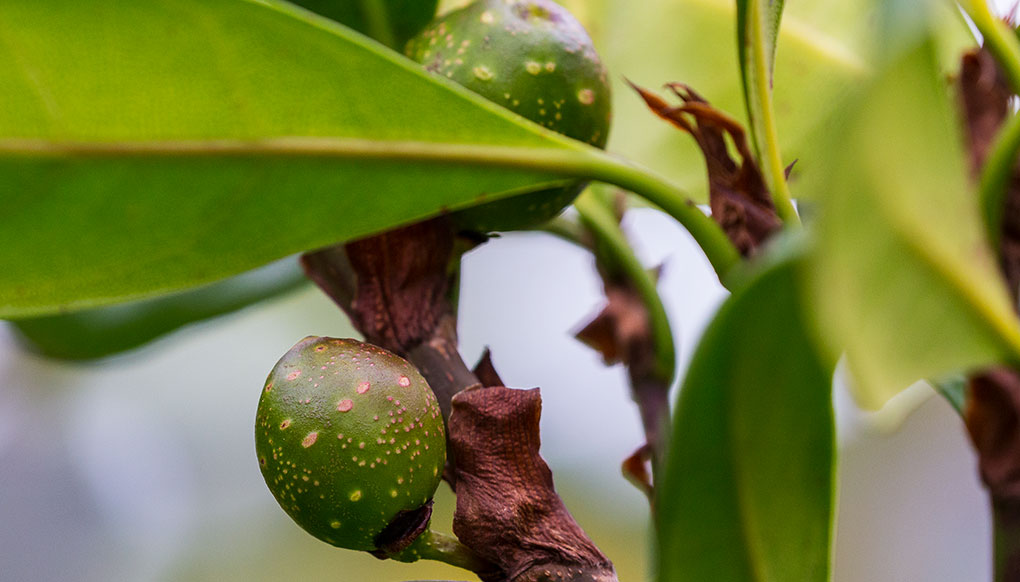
x=348 y=437
x=534 y=58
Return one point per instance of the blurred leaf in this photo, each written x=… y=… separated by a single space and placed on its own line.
x=105 y=331
x=757 y=36
x=823 y=54
x=391 y=22
x=748 y=488
x=147 y=147
x=903 y=277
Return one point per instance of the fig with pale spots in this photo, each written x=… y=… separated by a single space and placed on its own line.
x=534 y=58
x=349 y=437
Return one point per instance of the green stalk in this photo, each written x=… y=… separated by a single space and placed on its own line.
x=573 y=160
x=995 y=177
x=710 y=237
x=765 y=132
x=601 y=221
x=649 y=388
x=444 y=548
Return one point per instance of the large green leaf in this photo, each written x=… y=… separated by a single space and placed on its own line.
x=903 y=276
x=104 y=331
x=147 y=147
x=748 y=489
x=391 y=22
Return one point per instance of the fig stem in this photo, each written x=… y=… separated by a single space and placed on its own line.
x=446 y=548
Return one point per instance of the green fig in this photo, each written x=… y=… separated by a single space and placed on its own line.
x=534 y=58
x=349 y=437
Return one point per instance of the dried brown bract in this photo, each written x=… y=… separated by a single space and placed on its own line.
x=739 y=198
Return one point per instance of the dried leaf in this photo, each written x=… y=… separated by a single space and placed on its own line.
x=620 y=332
x=636 y=468
x=508 y=511
x=486 y=371
x=739 y=198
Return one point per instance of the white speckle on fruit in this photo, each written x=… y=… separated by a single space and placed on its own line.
x=345 y=405
x=403 y=382
x=310 y=439
x=363 y=387
x=487 y=18
x=586 y=96
x=482 y=73
x=355 y=495
x=550 y=66
x=335 y=524
x=533 y=68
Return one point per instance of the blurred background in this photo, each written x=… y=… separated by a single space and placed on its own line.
x=142 y=467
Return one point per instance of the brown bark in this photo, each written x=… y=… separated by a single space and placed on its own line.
x=508 y=511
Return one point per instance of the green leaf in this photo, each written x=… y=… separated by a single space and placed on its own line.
x=97 y=333
x=391 y=22
x=903 y=276
x=748 y=489
x=149 y=147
